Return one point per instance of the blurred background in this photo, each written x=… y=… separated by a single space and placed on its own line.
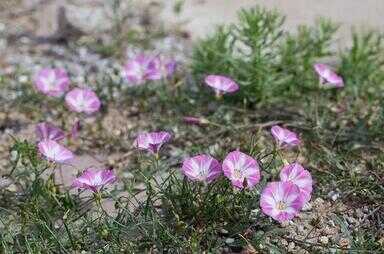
x=196 y=17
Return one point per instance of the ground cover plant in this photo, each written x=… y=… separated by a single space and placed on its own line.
x=258 y=144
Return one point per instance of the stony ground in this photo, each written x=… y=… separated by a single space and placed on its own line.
x=326 y=221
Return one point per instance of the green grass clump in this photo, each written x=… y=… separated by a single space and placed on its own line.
x=362 y=66
x=264 y=59
x=271 y=64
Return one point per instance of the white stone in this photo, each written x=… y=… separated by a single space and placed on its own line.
x=324 y=239
x=229 y=240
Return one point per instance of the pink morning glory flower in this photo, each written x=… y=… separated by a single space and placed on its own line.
x=296 y=174
x=52 y=82
x=152 y=141
x=241 y=169
x=142 y=68
x=202 y=168
x=82 y=100
x=94 y=180
x=53 y=151
x=281 y=201
x=328 y=76
x=221 y=84
x=284 y=137
x=48 y=131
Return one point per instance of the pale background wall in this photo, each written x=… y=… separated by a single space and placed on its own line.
x=203 y=15
x=200 y=16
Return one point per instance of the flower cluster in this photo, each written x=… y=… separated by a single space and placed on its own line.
x=222 y=84
x=280 y=200
x=241 y=169
x=49 y=135
x=54 y=82
x=95 y=180
x=143 y=68
x=284 y=199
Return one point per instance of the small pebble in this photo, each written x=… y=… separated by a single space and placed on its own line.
x=300 y=229
x=307 y=207
x=333 y=195
x=359 y=213
x=23 y=79
x=140 y=187
x=324 y=239
x=128 y=175
x=12 y=188
x=255 y=213
x=291 y=246
x=5 y=182
x=14 y=155
x=229 y=240
x=344 y=243
x=223 y=231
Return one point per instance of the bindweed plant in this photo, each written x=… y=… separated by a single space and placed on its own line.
x=192 y=208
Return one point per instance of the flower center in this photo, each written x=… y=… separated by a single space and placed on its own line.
x=327 y=73
x=237 y=173
x=81 y=104
x=281 y=206
x=203 y=172
x=50 y=80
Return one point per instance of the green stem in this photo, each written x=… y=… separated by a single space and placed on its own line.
x=69 y=234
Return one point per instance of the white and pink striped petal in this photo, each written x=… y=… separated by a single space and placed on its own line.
x=327 y=76
x=94 y=180
x=152 y=141
x=284 y=137
x=203 y=168
x=55 y=152
x=52 y=81
x=281 y=201
x=296 y=174
x=221 y=84
x=241 y=169
x=48 y=131
x=142 y=68
x=82 y=100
